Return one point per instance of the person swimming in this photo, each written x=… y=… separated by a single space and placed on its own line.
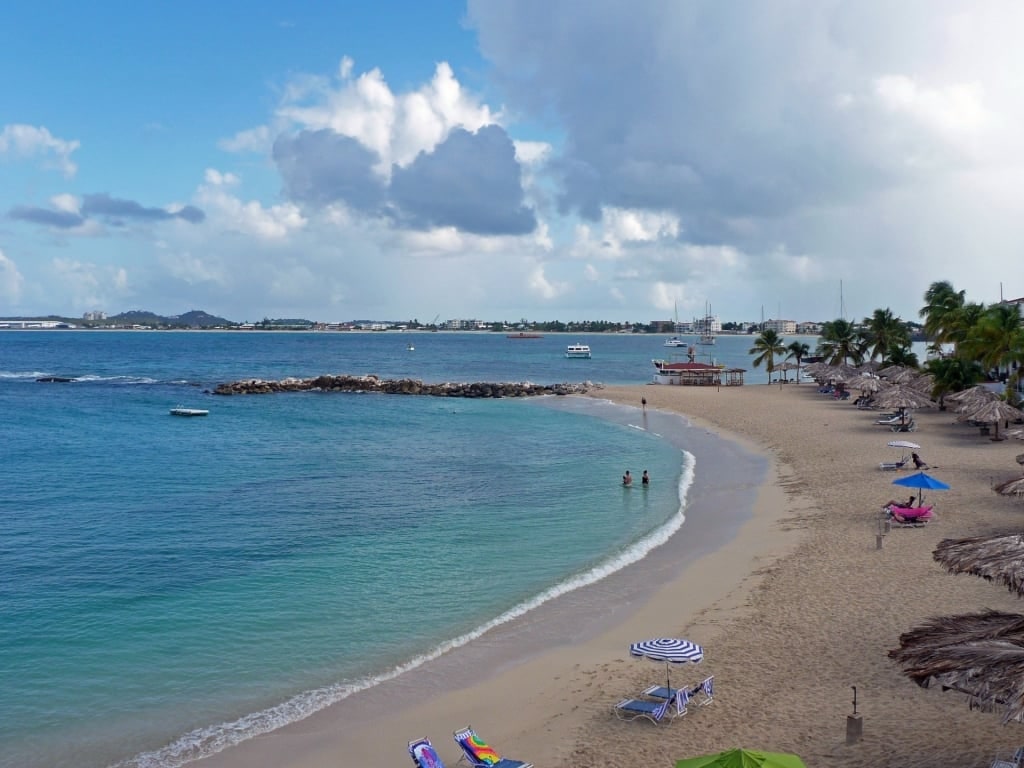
x=627 y=479
x=645 y=479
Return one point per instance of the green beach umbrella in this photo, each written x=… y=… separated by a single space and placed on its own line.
x=742 y=758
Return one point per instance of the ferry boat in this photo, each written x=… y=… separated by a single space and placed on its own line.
x=581 y=351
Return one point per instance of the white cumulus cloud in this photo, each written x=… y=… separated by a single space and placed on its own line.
x=29 y=140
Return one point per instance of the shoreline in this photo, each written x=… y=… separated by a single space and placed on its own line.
x=560 y=681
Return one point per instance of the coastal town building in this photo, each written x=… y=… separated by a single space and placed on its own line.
x=781 y=327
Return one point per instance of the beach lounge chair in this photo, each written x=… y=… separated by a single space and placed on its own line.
x=480 y=754
x=1016 y=761
x=909 y=517
x=910 y=426
x=424 y=755
x=704 y=693
x=656 y=712
x=680 y=696
x=892 y=466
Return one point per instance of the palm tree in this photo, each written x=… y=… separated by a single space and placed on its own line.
x=841 y=342
x=799 y=350
x=886 y=332
x=997 y=338
x=953 y=374
x=766 y=347
x=964 y=321
x=902 y=356
x=941 y=303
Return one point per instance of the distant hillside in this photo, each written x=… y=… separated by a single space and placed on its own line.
x=193 y=319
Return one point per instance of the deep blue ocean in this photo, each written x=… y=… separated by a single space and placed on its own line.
x=170 y=586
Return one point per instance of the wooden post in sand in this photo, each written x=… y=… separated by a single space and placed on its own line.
x=854 y=723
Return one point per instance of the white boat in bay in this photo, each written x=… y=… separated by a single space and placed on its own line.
x=580 y=351
x=182 y=411
x=675 y=341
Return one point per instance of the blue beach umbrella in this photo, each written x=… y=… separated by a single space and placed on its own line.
x=671 y=650
x=921 y=481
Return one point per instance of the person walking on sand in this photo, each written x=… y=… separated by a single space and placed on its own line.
x=645 y=480
x=627 y=479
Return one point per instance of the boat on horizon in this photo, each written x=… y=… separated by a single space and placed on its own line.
x=522 y=335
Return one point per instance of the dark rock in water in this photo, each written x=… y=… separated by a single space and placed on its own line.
x=346 y=383
x=57 y=379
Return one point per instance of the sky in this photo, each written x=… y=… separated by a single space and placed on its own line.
x=509 y=159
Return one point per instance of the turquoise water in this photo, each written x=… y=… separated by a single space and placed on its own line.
x=171 y=586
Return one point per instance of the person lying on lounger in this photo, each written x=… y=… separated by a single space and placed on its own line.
x=893 y=503
x=903 y=514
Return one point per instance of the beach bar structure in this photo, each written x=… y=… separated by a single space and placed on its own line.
x=694 y=374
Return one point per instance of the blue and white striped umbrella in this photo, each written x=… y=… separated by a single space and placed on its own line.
x=671 y=650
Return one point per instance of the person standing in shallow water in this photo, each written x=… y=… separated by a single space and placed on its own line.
x=645 y=480
x=643 y=402
x=627 y=479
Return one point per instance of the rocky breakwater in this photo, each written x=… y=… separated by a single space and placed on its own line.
x=345 y=383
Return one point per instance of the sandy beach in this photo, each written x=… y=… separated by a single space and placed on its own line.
x=799 y=607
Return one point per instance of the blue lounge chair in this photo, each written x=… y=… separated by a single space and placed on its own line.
x=656 y=712
x=424 y=755
x=480 y=754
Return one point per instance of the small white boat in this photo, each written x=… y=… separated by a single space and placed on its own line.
x=410 y=347
x=182 y=411
x=675 y=341
x=579 y=351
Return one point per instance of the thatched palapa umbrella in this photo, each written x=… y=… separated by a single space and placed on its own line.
x=787 y=366
x=998 y=558
x=923 y=383
x=869 y=385
x=991 y=412
x=978 y=392
x=1013 y=487
x=902 y=397
x=979 y=654
x=890 y=370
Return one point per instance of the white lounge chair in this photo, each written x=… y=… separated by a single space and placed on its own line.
x=892 y=466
